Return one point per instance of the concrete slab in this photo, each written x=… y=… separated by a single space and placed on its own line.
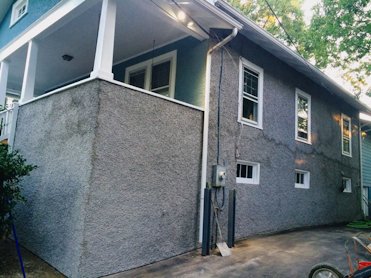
x=290 y=254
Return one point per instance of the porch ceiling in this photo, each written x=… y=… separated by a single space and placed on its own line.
x=140 y=26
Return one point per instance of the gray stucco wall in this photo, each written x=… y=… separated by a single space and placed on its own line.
x=118 y=180
x=143 y=200
x=56 y=133
x=275 y=204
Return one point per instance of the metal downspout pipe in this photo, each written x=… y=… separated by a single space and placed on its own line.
x=206 y=124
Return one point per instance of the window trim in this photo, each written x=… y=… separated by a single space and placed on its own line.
x=147 y=65
x=256 y=174
x=306 y=184
x=15 y=8
x=345 y=190
x=298 y=93
x=245 y=63
x=343 y=116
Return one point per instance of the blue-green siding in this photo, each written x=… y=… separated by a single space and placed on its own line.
x=366 y=160
x=190 y=69
x=36 y=8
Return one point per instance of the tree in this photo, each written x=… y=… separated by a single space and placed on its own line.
x=13 y=168
x=339 y=35
x=288 y=12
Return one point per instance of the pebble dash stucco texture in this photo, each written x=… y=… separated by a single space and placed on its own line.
x=118 y=180
x=275 y=204
x=119 y=170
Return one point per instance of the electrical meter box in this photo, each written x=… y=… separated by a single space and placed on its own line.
x=218 y=176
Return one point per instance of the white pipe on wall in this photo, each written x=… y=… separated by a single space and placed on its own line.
x=206 y=124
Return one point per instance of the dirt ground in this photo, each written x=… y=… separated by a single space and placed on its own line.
x=34 y=266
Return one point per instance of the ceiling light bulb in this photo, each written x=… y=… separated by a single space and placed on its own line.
x=190 y=24
x=181 y=16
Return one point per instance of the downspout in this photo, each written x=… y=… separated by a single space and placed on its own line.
x=206 y=123
x=360 y=163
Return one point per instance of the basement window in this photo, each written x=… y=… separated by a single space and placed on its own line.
x=347 y=185
x=156 y=75
x=18 y=11
x=302 y=179
x=248 y=172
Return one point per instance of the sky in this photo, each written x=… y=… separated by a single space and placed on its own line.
x=335 y=74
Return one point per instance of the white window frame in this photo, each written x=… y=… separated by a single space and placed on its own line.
x=247 y=64
x=306 y=184
x=345 y=117
x=302 y=94
x=255 y=172
x=147 y=65
x=15 y=8
x=348 y=187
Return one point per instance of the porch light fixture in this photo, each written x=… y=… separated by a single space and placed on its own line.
x=181 y=16
x=67 y=57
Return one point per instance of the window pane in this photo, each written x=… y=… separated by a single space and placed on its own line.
x=238 y=170
x=346 y=128
x=250 y=110
x=243 y=171
x=162 y=91
x=302 y=107
x=250 y=85
x=249 y=171
x=297 y=178
x=346 y=145
x=137 y=78
x=160 y=75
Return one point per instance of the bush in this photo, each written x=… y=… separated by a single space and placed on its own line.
x=13 y=168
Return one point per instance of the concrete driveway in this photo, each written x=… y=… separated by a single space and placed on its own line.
x=290 y=254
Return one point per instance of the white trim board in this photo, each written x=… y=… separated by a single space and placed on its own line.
x=113 y=82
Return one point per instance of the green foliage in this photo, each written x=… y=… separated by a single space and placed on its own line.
x=340 y=35
x=13 y=168
x=288 y=11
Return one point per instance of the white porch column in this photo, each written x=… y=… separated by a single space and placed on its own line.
x=105 y=42
x=29 y=77
x=4 y=70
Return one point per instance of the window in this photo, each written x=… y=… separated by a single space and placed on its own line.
x=248 y=172
x=302 y=179
x=347 y=185
x=18 y=11
x=251 y=94
x=346 y=131
x=303 y=117
x=156 y=75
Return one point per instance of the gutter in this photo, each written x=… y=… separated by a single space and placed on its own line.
x=206 y=123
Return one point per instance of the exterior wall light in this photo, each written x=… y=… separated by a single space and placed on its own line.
x=67 y=57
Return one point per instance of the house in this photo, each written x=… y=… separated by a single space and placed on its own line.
x=126 y=106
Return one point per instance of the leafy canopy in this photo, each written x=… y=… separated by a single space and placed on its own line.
x=339 y=34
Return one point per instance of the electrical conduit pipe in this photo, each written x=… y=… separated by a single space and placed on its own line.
x=206 y=123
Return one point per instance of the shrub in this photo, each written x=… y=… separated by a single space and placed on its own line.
x=13 y=168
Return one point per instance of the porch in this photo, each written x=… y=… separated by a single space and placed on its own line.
x=157 y=47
